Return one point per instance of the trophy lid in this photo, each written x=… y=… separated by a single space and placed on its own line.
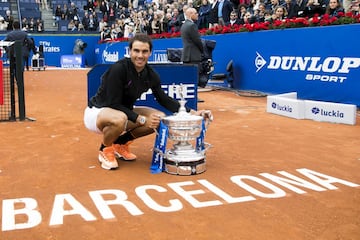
x=182 y=115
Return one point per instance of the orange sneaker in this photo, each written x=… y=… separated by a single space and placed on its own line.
x=107 y=158
x=123 y=152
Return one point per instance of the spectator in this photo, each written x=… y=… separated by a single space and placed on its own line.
x=235 y=4
x=91 y=24
x=175 y=23
x=161 y=14
x=44 y=4
x=116 y=31
x=251 y=7
x=39 y=25
x=314 y=7
x=245 y=2
x=129 y=28
x=147 y=27
x=292 y=8
x=274 y=4
x=225 y=7
x=32 y=25
x=72 y=11
x=259 y=14
x=59 y=14
x=249 y=18
x=25 y=24
x=105 y=34
x=213 y=14
x=90 y=6
x=9 y=19
x=355 y=8
x=104 y=9
x=166 y=21
x=111 y=16
x=65 y=11
x=131 y=31
x=182 y=14
x=102 y=25
x=242 y=11
x=347 y=4
x=279 y=13
x=234 y=20
x=204 y=11
x=156 y=25
x=301 y=7
x=85 y=19
x=334 y=8
x=268 y=16
x=3 y=24
x=72 y=26
x=149 y=15
x=123 y=13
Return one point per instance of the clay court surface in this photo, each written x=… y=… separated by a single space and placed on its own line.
x=51 y=180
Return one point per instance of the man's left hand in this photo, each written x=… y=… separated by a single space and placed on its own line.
x=206 y=114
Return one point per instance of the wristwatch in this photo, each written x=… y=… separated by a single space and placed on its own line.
x=142 y=120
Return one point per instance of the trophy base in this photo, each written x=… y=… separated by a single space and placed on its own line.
x=185 y=168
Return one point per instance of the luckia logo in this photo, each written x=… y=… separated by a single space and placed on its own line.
x=328 y=69
x=279 y=107
x=327 y=113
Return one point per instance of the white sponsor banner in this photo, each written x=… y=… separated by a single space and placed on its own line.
x=330 y=112
x=286 y=104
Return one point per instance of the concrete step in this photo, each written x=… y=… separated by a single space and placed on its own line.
x=48 y=18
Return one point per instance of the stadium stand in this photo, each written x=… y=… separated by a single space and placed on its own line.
x=29 y=10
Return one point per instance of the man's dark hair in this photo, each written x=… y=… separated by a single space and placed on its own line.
x=142 y=38
x=16 y=25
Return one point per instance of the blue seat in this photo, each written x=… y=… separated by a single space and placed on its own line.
x=30 y=14
x=63 y=25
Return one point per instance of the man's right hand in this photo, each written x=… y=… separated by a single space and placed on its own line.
x=153 y=121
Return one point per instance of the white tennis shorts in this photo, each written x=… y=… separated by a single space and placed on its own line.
x=90 y=117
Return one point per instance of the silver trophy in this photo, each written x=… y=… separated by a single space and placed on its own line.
x=184 y=130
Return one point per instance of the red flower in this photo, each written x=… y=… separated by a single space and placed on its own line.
x=316 y=20
x=340 y=14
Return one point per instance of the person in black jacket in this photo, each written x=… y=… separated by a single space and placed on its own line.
x=111 y=112
x=204 y=11
x=16 y=35
x=314 y=7
x=29 y=45
x=292 y=9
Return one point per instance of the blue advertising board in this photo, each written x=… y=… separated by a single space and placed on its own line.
x=317 y=65
x=172 y=76
x=312 y=61
x=55 y=46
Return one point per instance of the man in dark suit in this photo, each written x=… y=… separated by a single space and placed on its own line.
x=192 y=45
x=16 y=35
x=193 y=48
